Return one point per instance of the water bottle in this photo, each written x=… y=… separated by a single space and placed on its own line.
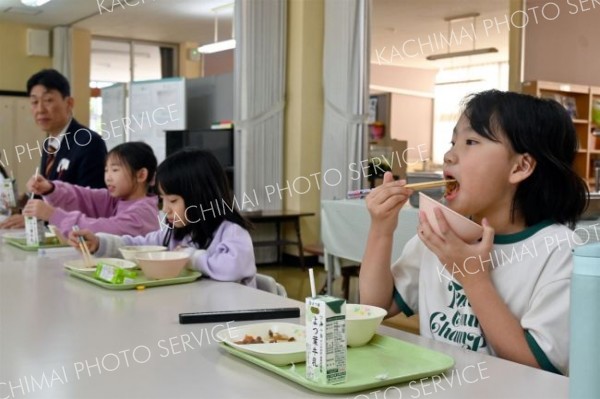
x=584 y=364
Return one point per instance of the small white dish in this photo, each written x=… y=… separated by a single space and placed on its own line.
x=129 y=252
x=15 y=235
x=280 y=353
x=79 y=264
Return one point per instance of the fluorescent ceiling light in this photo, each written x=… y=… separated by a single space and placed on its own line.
x=34 y=3
x=486 y=50
x=474 y=51
x=462 y=17
x=216 y=47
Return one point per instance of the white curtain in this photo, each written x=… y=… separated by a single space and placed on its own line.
x=259 y=94
x=61 y=50
x=345 y=77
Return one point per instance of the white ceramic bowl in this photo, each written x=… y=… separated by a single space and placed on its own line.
x=129 y=252
x=466 y=229
x=161 y=265
x=362 y=322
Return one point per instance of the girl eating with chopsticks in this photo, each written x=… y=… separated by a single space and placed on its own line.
x=201 y=216
x=126 y=206
x=507 y=294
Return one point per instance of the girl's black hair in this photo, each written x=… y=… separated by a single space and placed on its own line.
x=543 y=129
x=197 y=177
x=136 y=155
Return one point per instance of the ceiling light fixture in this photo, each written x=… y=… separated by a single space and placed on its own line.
x=466 y=53
x=219 y=45
x=34 y=3
x=455 y=54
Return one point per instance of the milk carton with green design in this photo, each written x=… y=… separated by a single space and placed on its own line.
x=325 y=339
x=8 y=193
x=34 y=231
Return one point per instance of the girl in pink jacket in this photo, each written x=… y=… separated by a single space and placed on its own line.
x=201 y=217
x=124 y=207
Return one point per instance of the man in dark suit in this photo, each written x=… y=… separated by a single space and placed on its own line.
x=70 y=152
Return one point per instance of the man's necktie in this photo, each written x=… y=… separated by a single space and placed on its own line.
x=49 y=161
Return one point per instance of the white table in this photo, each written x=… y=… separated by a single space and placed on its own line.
x=344 y=229
x=49 y=320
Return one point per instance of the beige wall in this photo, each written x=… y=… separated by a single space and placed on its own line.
x=566 y=49
x=188 y=69
x=412 y=112
x=304 y=107
x=15 y=66
x=80 y=76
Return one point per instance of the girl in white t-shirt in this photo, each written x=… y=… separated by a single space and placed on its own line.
x=507 y=294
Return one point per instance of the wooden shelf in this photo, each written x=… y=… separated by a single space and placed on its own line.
x=581 y=121
x=558 y=87
x=583 y=97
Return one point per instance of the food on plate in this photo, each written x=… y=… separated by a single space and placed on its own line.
x=273 y=339
x=249 y=339
x=276 y=337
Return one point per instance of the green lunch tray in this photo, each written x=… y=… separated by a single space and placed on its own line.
x=186 y=276
x=384 y=361
x=22 y=244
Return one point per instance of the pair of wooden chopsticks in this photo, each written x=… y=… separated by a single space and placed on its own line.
x=87 y=257
x=413 y=186
x=429 y=184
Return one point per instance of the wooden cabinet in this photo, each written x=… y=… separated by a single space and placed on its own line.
x=578 y=100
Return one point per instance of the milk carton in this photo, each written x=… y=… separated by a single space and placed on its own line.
x=34 y=231
x=7 y=192
x=325 y=339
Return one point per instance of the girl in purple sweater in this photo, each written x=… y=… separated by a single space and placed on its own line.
x=124 y=207
x=201 y=218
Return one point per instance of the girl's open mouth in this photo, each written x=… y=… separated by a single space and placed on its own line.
x=452 y=188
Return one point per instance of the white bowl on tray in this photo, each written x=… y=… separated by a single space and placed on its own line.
x=362 y=322
x=129 y=252
x=162 y=265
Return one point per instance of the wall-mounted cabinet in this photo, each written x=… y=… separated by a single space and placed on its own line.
x=579 y=101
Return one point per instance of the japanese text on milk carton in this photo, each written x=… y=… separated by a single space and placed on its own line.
x=326 y=339
x=34 y=231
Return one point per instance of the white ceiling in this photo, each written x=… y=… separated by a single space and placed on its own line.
x=170 y=21
x=397 y=25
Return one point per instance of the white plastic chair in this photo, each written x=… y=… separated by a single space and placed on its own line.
x=269 y=284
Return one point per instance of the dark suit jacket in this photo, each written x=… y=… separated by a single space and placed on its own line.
x=80 y=158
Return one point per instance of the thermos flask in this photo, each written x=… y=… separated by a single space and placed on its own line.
x=584 y=363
